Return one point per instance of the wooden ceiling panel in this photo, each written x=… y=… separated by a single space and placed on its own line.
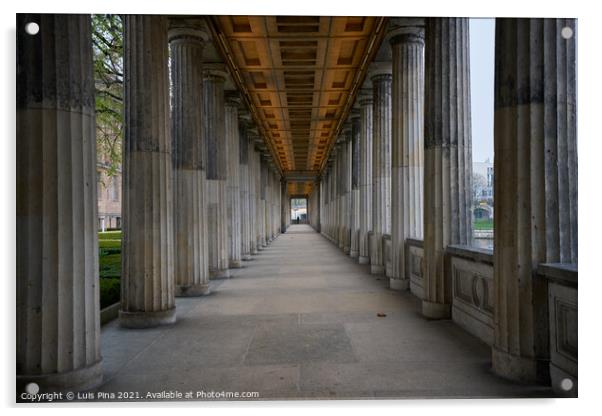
x=300 y=74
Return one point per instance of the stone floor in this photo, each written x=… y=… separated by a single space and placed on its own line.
x=300 y=321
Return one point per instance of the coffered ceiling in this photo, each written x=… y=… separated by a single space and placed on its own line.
x=300 y=75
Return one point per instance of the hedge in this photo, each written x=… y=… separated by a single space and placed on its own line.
x=110 y=292
x=110 y=265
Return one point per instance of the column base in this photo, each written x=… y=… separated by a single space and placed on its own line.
x=399 y=284
x=200 y=289
x=363 y=260
x=377 y=269
x=563 y=383
x=346 y=250
x=253 y=251
x=219 y=274
x=513 y=367
x=76 y=380
x=139 y=320
x=235 y=264
x=246 y=257
x=354 y=254
x=434 y=310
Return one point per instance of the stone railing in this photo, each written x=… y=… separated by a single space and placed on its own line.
x=415 y=266
x=470 y=274
x=562 y=314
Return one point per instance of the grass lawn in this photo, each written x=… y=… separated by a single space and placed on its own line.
x=483 y=224
x=109 y=235
x=109 y=262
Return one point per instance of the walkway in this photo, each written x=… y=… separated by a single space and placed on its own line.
x=300 y=321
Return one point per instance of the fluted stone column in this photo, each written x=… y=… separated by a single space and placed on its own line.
x=147 y=281
x=232 y=181
x=245 y=209
x=347 y=205
x=342 y=179
x=365 y=186
x=252 y=134
x=190 y=225
x=283 y=198
x=355 y=188
x=217 y=170
x=381 y=166
x=337 y=188
x=58 y=311
x=268 y=203
x=263 y=178
x=259 y=216
x=447 y=155
x=407 y=147
x=535 y=184
x=318 y=213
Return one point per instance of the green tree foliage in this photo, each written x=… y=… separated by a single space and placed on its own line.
x=107 y=47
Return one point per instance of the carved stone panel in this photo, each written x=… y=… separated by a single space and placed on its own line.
x=472 y=297
x=562 y=304
x=415 y=268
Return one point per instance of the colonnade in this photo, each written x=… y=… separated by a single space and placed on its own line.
x=202 y=194
x=413 y=175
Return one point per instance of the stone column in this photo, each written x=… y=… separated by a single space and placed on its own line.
x=190 y=225
x=535 y=184
x=318 y=214
x=336 y=191
x=365 y=185
x=259 y=217
x=347 y=206
x=447 y=155
x=147 y=281
x=58 y=311
x=233 y=178
x=381 y=166
x=217 y=150
x=263 y=178
x=268 y=203
x=343 y=176
x=355 y=189
x=407 y=147
x=284 y=198
x=245 y=172
x=252 y=190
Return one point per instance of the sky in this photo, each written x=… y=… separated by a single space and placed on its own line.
x=482 y=48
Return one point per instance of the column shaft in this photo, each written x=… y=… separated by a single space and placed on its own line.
x=407 y=148
x=365 y=185
x=232 y=182
x=190 y=225
x=245 y=209
x=381 y=168
x=217 y=150
x=535 y=184
x=284 y=197
x=147 y=281
x=58 y=311
x=447 y=155
x=355 y=188
x=252 y=194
